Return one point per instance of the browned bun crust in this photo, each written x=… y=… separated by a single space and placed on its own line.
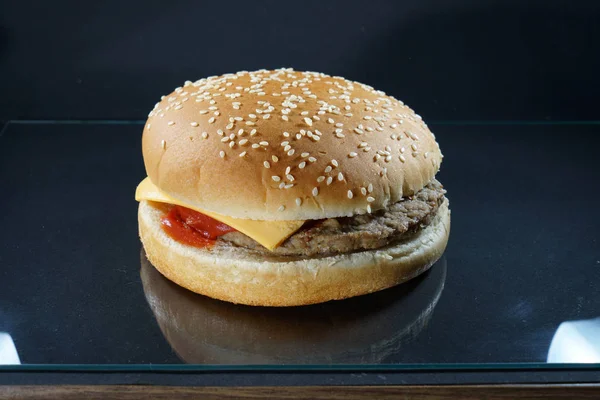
x=374 y=149
x=237 y=275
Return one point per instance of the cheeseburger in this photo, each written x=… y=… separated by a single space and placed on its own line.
x=284 y=188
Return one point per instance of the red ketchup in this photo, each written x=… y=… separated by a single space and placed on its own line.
x=193 y=228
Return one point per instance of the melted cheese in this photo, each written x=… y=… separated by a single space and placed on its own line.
x=270 y=234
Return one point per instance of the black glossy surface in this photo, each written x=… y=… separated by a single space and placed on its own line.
x=522 y=258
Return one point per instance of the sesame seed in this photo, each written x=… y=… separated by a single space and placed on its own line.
x=266 y=116
x=328 y=169
x=253 y=132
x=339 y=125
x=163 y=144
x=302 y=165
x=312 y=159
x=304 y=155
x=315 y=191
x=352 y=154
x=250 y=123
x=359 y=131
x=290 y=177
x=426 y=154
x=274 y=158
x=363 y=191
x=308 y=121
x=402 y=158
x=340 y=177
x=367 y=117
x=204 y=135
x=286 y=134
x=289 y=185
x=264 y=143
x=203 y=112
x=287 y=170
x=370 y=188
x=222 y=154
x=388 y=158
x=281 y=208
x=225 y=139
x=266 y=164
x=281 y=185
x=370 y=199
x=304 y=113
x=369 y=208
x=276 y=178
x=330 y=120
x=211 y=120
x=298 y=201
x=231 y=144
x=338 y=130
x=350 y=195
x=255 y=145
x=242 y=154
x=413 y=146
x=287 y=147
x=243 y=142
x=229 y=125
x=285 y=118
x=170 y=123
x=329 y=180
x=335 y=163
x=320 y=179
x=402 y=149
x=415 y=153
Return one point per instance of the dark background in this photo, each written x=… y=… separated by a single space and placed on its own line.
x=449 y=60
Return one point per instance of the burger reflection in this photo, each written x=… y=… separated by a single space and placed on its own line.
x=364 y=329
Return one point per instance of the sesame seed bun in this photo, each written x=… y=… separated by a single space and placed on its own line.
x=287 y=145
x=238 y=275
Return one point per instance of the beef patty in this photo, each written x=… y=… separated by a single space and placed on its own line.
x=361 y=232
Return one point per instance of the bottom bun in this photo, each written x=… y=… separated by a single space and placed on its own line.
x=238 y=275
x=371 y=329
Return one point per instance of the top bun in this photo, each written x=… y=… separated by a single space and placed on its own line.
x=287 y=145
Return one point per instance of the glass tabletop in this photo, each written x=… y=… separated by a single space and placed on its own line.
x=518 y=286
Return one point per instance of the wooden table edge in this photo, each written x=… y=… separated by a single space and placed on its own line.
x=426 y=392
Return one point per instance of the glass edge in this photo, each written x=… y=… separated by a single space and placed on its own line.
x=297 y=368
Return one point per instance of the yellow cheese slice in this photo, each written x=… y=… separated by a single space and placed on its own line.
x=270 y=234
